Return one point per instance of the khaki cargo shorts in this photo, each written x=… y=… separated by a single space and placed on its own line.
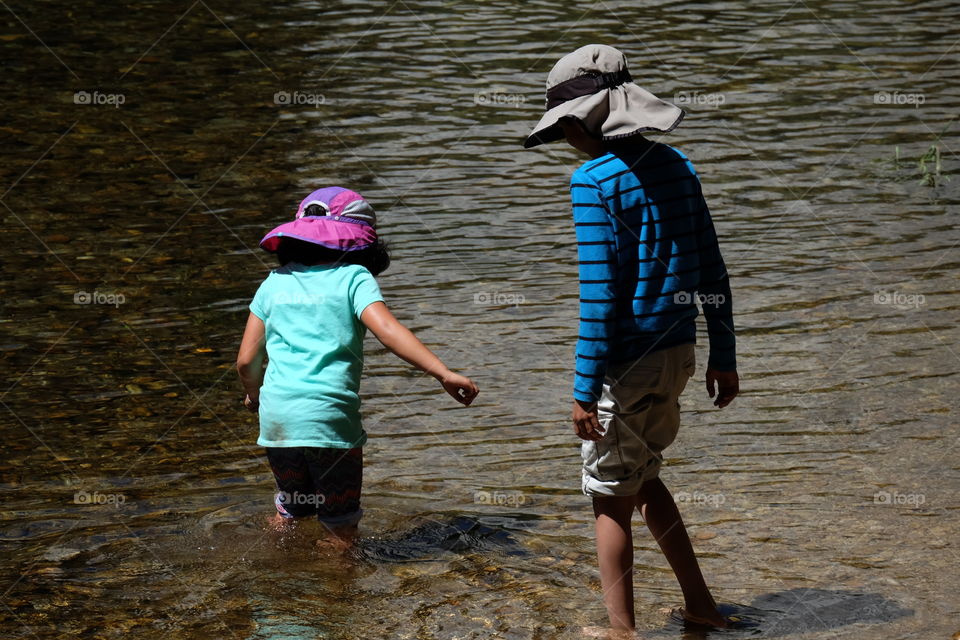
x=640 y=412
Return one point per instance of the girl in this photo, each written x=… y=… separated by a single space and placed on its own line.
x=308 y=320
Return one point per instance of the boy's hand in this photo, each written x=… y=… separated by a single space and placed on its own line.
x=252 y=405
x=728 y=383
x=585 y=422
x=461 y=388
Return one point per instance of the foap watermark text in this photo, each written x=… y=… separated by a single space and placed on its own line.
x=699 y=99
x=498 y=298
x=896 y=498
x=899 y=98
x=705 y=299
x=95 y=497
x=501 y=498
x=99 y=297
x=99 y=98
x=498 y=98
x=899 y=300
x=313 y=499
x=288 y=98
x=699 y=498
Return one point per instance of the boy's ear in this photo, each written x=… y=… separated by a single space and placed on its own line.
x=569 y=126
x=580 y=127
x=595 y=135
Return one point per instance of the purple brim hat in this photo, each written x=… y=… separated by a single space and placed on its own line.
x=349 y=223
x=337 y=201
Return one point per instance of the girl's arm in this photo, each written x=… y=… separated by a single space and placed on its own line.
x=398 y=339
x=253 y=351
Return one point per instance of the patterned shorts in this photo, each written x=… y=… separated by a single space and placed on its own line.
x=318 y=481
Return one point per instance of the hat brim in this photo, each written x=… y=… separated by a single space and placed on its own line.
x=617 y=112
x=333 y=233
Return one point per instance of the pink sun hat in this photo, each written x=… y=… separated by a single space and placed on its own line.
x=348 y=224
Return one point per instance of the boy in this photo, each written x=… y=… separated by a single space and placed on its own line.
x=647 y=252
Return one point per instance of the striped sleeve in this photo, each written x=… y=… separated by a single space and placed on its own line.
x=715 y=296
x=597 y=255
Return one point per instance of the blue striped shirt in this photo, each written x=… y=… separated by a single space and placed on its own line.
x=648 y=253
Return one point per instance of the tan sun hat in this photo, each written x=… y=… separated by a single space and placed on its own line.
x=593 y=85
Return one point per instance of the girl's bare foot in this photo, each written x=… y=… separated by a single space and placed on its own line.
x=335 y=544
x=338 y=539
x=278 y=523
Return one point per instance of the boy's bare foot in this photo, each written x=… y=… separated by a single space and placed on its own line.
x=609 y=634
x=704 y=618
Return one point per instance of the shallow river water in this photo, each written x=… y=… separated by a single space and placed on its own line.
x=147 y=148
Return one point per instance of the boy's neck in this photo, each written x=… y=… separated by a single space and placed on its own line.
x=599 y=148
x=621 y=144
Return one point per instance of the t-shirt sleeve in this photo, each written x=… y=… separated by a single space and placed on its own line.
x=717 y=299
x=258 y=304
x=365 y=291
x=597 y=254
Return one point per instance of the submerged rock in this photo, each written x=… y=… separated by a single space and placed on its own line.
x=424 y=541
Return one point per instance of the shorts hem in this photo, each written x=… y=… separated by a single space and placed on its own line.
x=345 y=520
x=315 y=444
x=617 y=488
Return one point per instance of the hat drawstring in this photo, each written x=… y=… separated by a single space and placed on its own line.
x=585 y=85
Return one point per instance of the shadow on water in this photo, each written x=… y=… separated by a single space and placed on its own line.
x=420 y=538
x=431 y=537
x=795 y=611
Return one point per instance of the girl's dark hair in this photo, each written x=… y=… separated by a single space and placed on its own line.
x=376 y=257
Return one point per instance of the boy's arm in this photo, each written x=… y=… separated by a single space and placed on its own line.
x=597 y=266
x=401 y=341
x=717 y=303
x=253 y=352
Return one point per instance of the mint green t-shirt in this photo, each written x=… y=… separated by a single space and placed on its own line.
x=310 y=393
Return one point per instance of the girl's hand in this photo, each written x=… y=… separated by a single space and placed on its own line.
x=398 y=339
x=252 y=405
x=461 y=388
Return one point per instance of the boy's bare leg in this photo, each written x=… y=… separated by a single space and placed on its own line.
x=615 y=556
x=660 y=512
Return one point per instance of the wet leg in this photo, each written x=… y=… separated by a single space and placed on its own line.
x=615 y=556
x=662 y=517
